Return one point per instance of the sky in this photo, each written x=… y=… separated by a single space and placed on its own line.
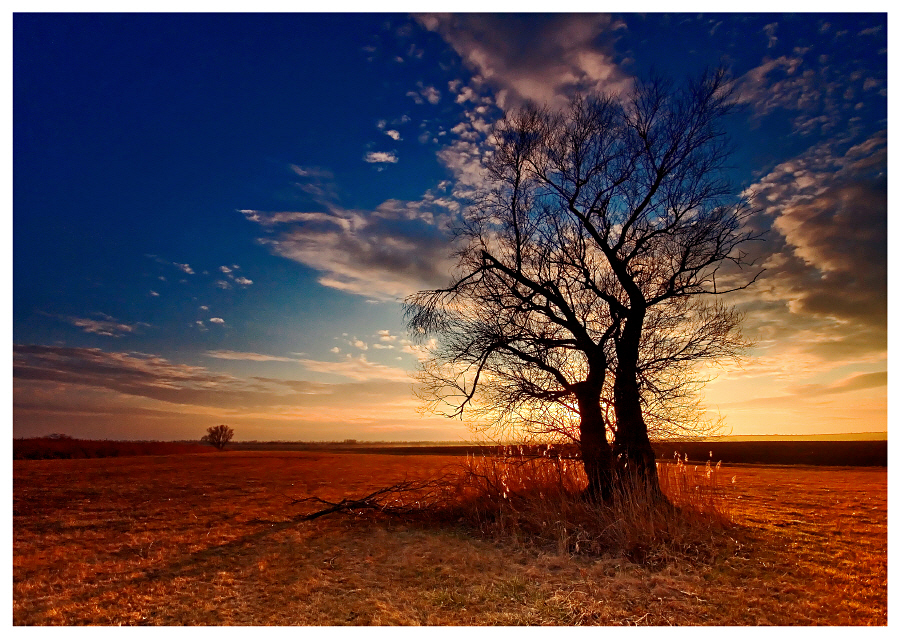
x=216 y=216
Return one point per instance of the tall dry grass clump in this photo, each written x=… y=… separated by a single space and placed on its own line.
x=537 y=500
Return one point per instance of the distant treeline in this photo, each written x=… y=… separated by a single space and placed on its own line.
x=63 y=447
x=253 y=444
x=782 y=452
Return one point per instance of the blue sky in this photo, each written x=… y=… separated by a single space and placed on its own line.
x=214 y=216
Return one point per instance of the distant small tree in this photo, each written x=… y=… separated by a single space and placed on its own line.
x=218 y=436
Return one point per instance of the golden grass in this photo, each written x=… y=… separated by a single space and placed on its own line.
x=196 y=539
x=538 y=501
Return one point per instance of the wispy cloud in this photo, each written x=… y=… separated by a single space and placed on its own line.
x=383 y=254
x=73 y=380
x=270 y=219
x=129 y=373
x=822 y=91
x=424 y=94
x=106 y=326
x=822 y=301
x=770 y=30
x=798 y=394
x=381 y=157
x=358 y=368
x=251 y=357
x=860 y=381
x=184 y=268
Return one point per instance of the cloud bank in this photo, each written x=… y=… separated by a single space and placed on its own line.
x=543 y=58
x=824 y=291
x=385 y=254
x=88 y=392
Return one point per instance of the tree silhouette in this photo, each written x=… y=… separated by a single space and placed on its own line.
x=218 y=436
x=580 y=293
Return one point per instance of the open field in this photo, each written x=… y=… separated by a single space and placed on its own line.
x=70 y=448
x=204 y=539
x=871 y=452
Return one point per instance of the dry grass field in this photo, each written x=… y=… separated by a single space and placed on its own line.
x=206 y=539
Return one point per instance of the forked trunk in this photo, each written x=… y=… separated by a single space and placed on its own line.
x=635 y=459
x=596 y=453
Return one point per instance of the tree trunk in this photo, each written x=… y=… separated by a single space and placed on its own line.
x=634 y=455
x=596 y=453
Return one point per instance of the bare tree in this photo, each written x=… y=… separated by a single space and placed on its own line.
x=218 y=436
x=645 y=181
x=518 y=325
x=584 y=266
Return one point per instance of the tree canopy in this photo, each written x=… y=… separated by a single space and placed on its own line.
x=218 y=436
x=582 y=295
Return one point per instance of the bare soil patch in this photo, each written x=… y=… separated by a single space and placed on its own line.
x=205 y=539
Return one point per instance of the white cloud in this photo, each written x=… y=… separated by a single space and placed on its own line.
x=289 y=217
x=216 y=320
x=823 y=297
x=252 y=357
x=107 y=326
x=373 y=262
x=465 y=95
x=367 y=252
x=358 y=368
x=769 y=30
x=534 y=57
x=820 y=92
x=393 y=134
x=871 y=83
x=424 y=94
x=381 y=157
x=419 y=351
x=431 y=94
x=243 y=281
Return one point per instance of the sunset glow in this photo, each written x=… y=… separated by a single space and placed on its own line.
x=216 y=217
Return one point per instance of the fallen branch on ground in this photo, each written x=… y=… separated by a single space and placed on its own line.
x=404 y=498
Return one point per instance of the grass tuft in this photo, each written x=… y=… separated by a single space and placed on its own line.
x=538 y=501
